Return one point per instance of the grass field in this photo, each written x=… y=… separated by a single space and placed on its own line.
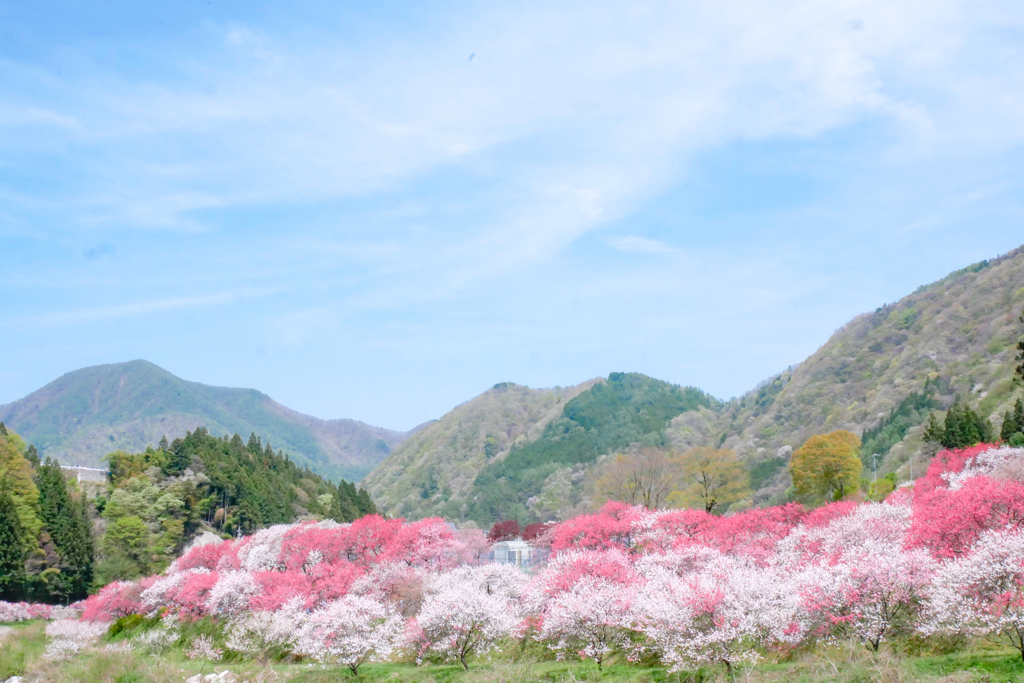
x=22 y=647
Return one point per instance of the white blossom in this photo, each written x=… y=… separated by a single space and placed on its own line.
x=69 y=637
x=459 y=617
x=350 y=631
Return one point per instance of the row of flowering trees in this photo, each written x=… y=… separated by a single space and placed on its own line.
x=685 y=586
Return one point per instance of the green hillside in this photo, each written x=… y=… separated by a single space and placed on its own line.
x=85 y=414
x=432 y=472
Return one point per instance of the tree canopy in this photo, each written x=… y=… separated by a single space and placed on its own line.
x=713 y=479
x=827 y=466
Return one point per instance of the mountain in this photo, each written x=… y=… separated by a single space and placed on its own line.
x=88 y=413
x=432 y=472
x=516 y=452
x=880 y=375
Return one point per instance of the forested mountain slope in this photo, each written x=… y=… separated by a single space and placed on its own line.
x=957 y=335
x=88 y=413
x=433 y=471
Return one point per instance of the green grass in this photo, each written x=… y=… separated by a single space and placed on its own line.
x=22 y=648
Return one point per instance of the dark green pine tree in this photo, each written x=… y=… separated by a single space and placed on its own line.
x=12 y=549
x=365 y=503
x=964 y=427
x=3 y=429
x=70 y=531
x=179 y=458
x=1013 y=423
x=933 y=431
x=344 y=508
x=254 y=445
x=81 y=555
x=32 y=455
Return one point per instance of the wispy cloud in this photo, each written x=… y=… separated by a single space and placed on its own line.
x=630 y=93
x=102 y=313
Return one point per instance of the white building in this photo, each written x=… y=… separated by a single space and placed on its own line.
x=87 y=474
x=517 y=552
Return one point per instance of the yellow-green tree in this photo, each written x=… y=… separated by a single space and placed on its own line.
x=826 y=466
x=646 y=477
x=16 y=472
x=713 y=478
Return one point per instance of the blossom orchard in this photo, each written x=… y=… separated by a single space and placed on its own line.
x=685 y=586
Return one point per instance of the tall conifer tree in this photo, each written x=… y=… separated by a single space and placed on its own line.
x=68 y=525
x=12 y=550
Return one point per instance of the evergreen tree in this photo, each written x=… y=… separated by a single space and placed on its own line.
x=79 y=556
x=3 y=429
x=179 y=459
x=12 y=550
x=933 y=431
x=964 y=427
x=1013 y=421
x=365 y=503
x=345 y=508
x=67 y=523
x=163 y=443
x=32 y=455
x=254 y=445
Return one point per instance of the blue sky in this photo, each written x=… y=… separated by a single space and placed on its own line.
x=379 y=213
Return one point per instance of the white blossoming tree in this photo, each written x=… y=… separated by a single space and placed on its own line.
x=589 y=620
x=460 y=618
x=982 y=593
x=351 y=631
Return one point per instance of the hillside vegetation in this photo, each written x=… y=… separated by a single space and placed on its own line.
x=87 y=413
x=433 y=471
x=627 y=409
